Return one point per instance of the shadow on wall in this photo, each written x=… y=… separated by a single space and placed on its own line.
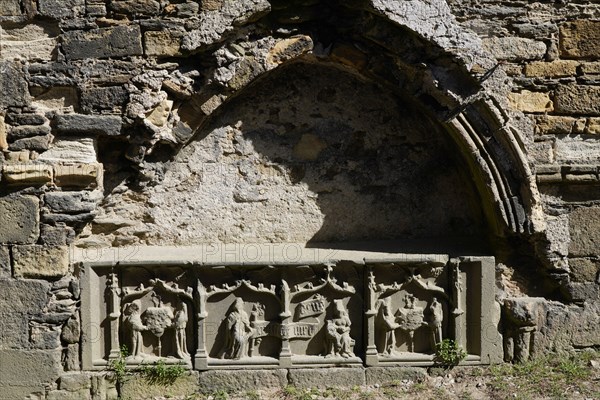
x=318 y=150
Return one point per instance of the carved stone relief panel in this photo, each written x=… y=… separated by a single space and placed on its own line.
x=381 y=312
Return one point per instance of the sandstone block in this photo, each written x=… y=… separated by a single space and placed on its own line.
x=25 y=131
x=27 y=173
x=552 y=124
x=590 y=68
x=583 y=269
x=138 y=388
x=584 y=229
x=5 y=268
x=58 y=9
x=242 y=380
x=379 y=375
x=580 y=39
x=578 y=99
x=72 y=150
x=335 y=377
x=289 y=48
x=165 y=43
x=10 y=8
x=554 y=69
x=13 y=86
x=28 y=368
x=88 y=124
x=104 y=98
x=3 y=135
x=78 y=175
x=19 y=219
x=67 y=395
x=515 y=49
x=120 y=41
x=36 y=143
x=527 y=101
x=136 y=7
x=585 y=291
x=71 y=202
x=35 y=261
x=26 y=119
x=593 y=126
x=75 y=382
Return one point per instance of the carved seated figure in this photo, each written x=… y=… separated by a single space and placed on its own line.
x=339 y=342
x=238 y=332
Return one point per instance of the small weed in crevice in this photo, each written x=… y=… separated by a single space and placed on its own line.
x=162 y=374
x=448 y=353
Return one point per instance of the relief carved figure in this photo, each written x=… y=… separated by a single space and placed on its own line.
x=339 y=342
x=134 y=326
x=179 y=322
x=389 y=326
x=238 y=331
x=436 y=317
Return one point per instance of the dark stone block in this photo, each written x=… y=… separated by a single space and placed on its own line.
x=120 y=41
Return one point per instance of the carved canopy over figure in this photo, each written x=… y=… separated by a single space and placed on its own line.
x=339 y=342
x=238 y=332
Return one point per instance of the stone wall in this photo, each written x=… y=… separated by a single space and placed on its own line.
x=453 y=127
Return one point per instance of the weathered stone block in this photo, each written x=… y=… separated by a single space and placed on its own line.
x=35 y=261
x=584 y=229
x=528 y=101
x=19 y=219
x=27 y=174
x=593 y=126
x=590 y=68
x=585 y=291
x=88 y=124
x=515 y=49
x=584 y=269
x=72 y=150
x=28 y=368
x=3 y=134
x=552 y=124
x=136 y=7
x=36 y=143
x=25 y=131
x=13 y=86
x=289 y=48
x=72 y=202
x=139 y=388
x=58 y=9
x=165 y=43
x=75 y=382
x=242 y=380
x=119 y=41
x=5 y=268
x=334 y=377
x=554 y=69
x=67 y=395
x=379 y=375
x=580 y=39
x=103 y=98
x=577 y=99
x=10 y=8
x=78 y=175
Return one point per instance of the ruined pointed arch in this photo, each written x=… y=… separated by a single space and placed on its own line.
x=417 y=49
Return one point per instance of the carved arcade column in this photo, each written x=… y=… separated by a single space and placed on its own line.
x=114 y=313
x=371 y=356
x=201 y=356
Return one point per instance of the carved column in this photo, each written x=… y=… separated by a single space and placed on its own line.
x=457 y=293
x=285 y=356
x=201 y=357
x=114 y=313
x=372 y=358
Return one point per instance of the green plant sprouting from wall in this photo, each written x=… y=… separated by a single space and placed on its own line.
x=448 y=353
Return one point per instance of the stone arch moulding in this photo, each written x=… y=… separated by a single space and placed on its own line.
x=347 y=308
x=437 y=63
